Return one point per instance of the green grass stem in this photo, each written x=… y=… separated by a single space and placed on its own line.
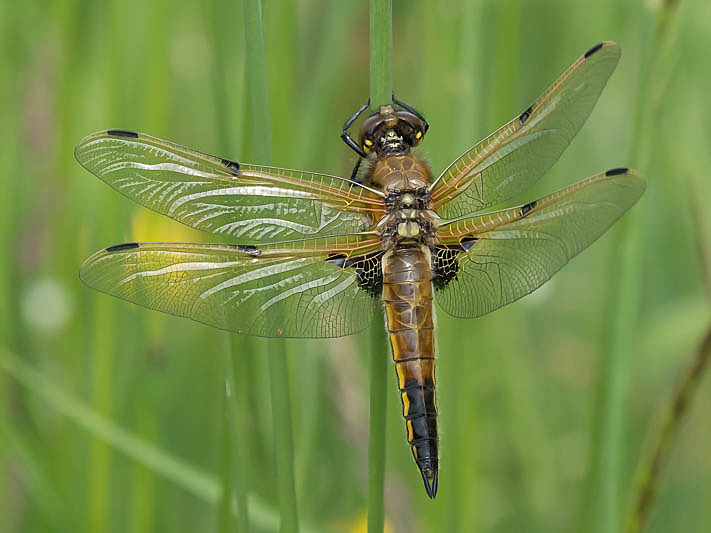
x=606 y=496
x=381 y=52
x=670 y=420
x=674 y=410
x=381 y=89
x=191 y=479
x=279 y=380
x=378 y=414
x=201 y=484
x=234 y=513
x=234 y=510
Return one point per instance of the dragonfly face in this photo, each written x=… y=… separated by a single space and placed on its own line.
x=318 y=255
x=391 y=132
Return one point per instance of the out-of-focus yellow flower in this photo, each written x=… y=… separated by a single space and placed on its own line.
x=360 y=525
x=149 y=226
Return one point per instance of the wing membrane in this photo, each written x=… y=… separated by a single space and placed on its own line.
x=512 y=252
x=249 y=203
x=285 y=290
x=515 y=156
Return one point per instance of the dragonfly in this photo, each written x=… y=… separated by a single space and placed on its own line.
x=313 y=255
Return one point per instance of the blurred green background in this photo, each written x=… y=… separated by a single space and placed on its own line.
x=113 y=418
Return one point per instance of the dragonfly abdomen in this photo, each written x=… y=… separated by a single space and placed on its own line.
x=407 y=292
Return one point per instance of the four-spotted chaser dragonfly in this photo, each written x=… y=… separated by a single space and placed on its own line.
x=319 y=255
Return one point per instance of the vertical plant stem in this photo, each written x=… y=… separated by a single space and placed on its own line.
x=376 y=438
x=234 y=475
x=381 y=89
x=261 y=150
x=675 y=408
x=606 y=494
x=381 y=52
x=258 y=109
x=671 y=417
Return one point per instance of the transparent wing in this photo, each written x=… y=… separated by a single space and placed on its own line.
x=246 y=202
x=295 y=289
x=500 y=257
x=516 y=155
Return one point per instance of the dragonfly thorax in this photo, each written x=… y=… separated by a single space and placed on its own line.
x=408 y=217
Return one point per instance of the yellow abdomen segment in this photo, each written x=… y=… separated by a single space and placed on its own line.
x=407 y=292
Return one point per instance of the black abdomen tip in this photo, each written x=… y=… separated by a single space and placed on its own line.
x=431 y=479
x=122 y=133
x=617 y=171
x=593 y=50
x=122 y=247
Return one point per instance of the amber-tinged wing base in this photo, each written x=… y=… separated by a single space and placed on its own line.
x=291 y=289
x=247 y=203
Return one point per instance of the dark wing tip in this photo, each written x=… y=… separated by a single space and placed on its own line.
x=122 y=133
x=523 y=117
x=527 y=208
x=122 y=247
x=249 y=249
x=617 y=171
x=232 y=166
x=593 y=50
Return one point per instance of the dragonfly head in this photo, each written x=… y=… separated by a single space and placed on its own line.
x=391 y=132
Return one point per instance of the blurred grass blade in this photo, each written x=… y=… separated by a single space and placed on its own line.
x=234 y=513
x=381 y=52
x=700 y=236
x=381 y=91
x=378 y=413
x=279 y=379
x=671 y=419
x=199 y=483
x=672 y=414
x=604 y=498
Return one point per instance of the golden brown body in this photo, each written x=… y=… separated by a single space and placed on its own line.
x=407 y=293
x=400 y=172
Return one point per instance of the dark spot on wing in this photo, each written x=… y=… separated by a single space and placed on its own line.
x=337 y=259
x=617 y=171
x=122 y=133
x=122 y=247
x=248 y=249
x=369 y=272
x=467 y=243
x=445 y=262
x=593 y=50
x=525 y=115
x=526 y=208
x=231 y=165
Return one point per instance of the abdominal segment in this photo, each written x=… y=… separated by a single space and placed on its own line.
x=407 y=291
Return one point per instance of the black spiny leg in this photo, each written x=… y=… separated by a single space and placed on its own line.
x=354 y=174
x=350 y=142
x=413 y=111
x=347 y=137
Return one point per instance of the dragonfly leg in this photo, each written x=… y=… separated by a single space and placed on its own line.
x=354 y=174
x=347 y=136
x=350 y=142
x=411 y=110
